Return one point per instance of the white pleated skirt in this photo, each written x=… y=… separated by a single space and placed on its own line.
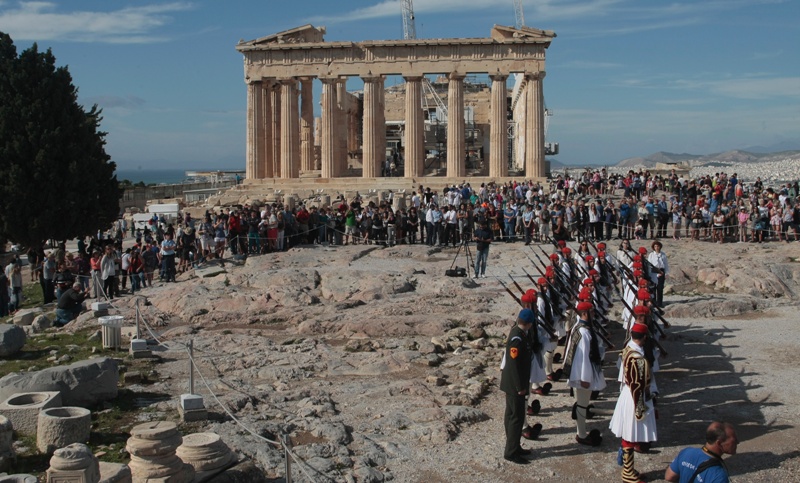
x=625 y=425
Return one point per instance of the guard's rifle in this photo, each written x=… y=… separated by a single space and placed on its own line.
x=605 y=297
x=519 y=301
x=631 y=286
x=511 y=277
x=597 y=252
x=601 y=331
x=529 y=276
x=655 y=342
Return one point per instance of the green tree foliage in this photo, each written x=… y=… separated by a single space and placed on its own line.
x=56 y=180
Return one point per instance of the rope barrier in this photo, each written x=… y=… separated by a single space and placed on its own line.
x=301 y=464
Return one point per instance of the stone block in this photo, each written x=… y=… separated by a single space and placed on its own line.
x=191 y=401
x=18 y=478
x=84 y=383
x=100 y=306
x=41 y=323
x=114 y=473
x=152 y=448
x=59 y=427
x=27 y=316
x=22 y=409
x=138 y=345
x=210 y=271
x=7 y=455
x=191 y=415
x=12 y=339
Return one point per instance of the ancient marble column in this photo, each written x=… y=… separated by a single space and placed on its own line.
x=534 y=127
x=342 y=105
x=73 y=463
x=415 y=129
x=267 y=168
x=253 y=118
x=290 y=129
x=374 y=147
x=456 y=166
x=498 y=128
x=275 y=103
x=152 y=448
x=306 y=125
x=328 y=130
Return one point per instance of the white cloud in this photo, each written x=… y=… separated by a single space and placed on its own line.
x=40 y=21
x=538 y=9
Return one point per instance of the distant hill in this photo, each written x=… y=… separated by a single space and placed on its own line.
x=728 y=157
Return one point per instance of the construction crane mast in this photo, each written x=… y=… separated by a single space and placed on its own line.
x=409 y=26
x=410 y=33
x=519 y=15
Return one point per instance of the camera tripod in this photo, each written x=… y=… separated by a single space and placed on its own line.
x=468 y=254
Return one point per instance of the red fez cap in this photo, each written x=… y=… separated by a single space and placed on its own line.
x=593 y=272
x=637 y=264
x=529 y=297
x=643 y=283
x=637 y=258
x=588 y=281
x=637 y=273
x=584 y=295
x=641 y=310
x=566 y=251
x=601 y=246
x=642 y=250
x=542 y=281
x=589 y=258
x=584 y=307
x=562 y=243
x=601 y=254
x=639 y=329
x=643 y=294
x=554 y=257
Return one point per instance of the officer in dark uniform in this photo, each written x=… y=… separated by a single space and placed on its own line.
x=514 y=381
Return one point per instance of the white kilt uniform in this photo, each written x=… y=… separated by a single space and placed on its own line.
x=624 y=423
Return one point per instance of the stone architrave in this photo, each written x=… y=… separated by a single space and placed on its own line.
x=275 y=103
x=456 y=146
x=498 y=142
x=306 y=125
x=534 y=127
x=415 y=129
x=267 y=168
x=374 y=127
x=73 y=464
x=290 y=129
x=152 y=448
x=327 y=141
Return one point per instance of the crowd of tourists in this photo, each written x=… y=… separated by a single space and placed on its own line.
x=592 y=205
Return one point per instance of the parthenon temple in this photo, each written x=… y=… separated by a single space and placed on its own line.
x=406 y=130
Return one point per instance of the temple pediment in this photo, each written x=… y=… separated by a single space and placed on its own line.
x=502 y=33
x=298 y=35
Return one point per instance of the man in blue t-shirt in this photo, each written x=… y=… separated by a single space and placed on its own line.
x=720 y=439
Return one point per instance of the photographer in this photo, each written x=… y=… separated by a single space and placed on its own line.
x=70 y=305
x=483 y=238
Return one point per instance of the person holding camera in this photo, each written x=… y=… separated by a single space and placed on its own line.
x=483 y=238
x=70 y=305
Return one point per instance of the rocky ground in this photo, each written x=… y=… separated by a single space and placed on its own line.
x=381 y=368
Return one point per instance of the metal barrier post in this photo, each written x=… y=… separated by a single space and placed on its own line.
x=191 y=366
x=287 y=457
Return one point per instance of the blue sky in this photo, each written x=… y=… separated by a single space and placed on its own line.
x=624 y=78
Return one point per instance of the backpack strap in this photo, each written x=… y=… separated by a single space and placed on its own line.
x=713 y=461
